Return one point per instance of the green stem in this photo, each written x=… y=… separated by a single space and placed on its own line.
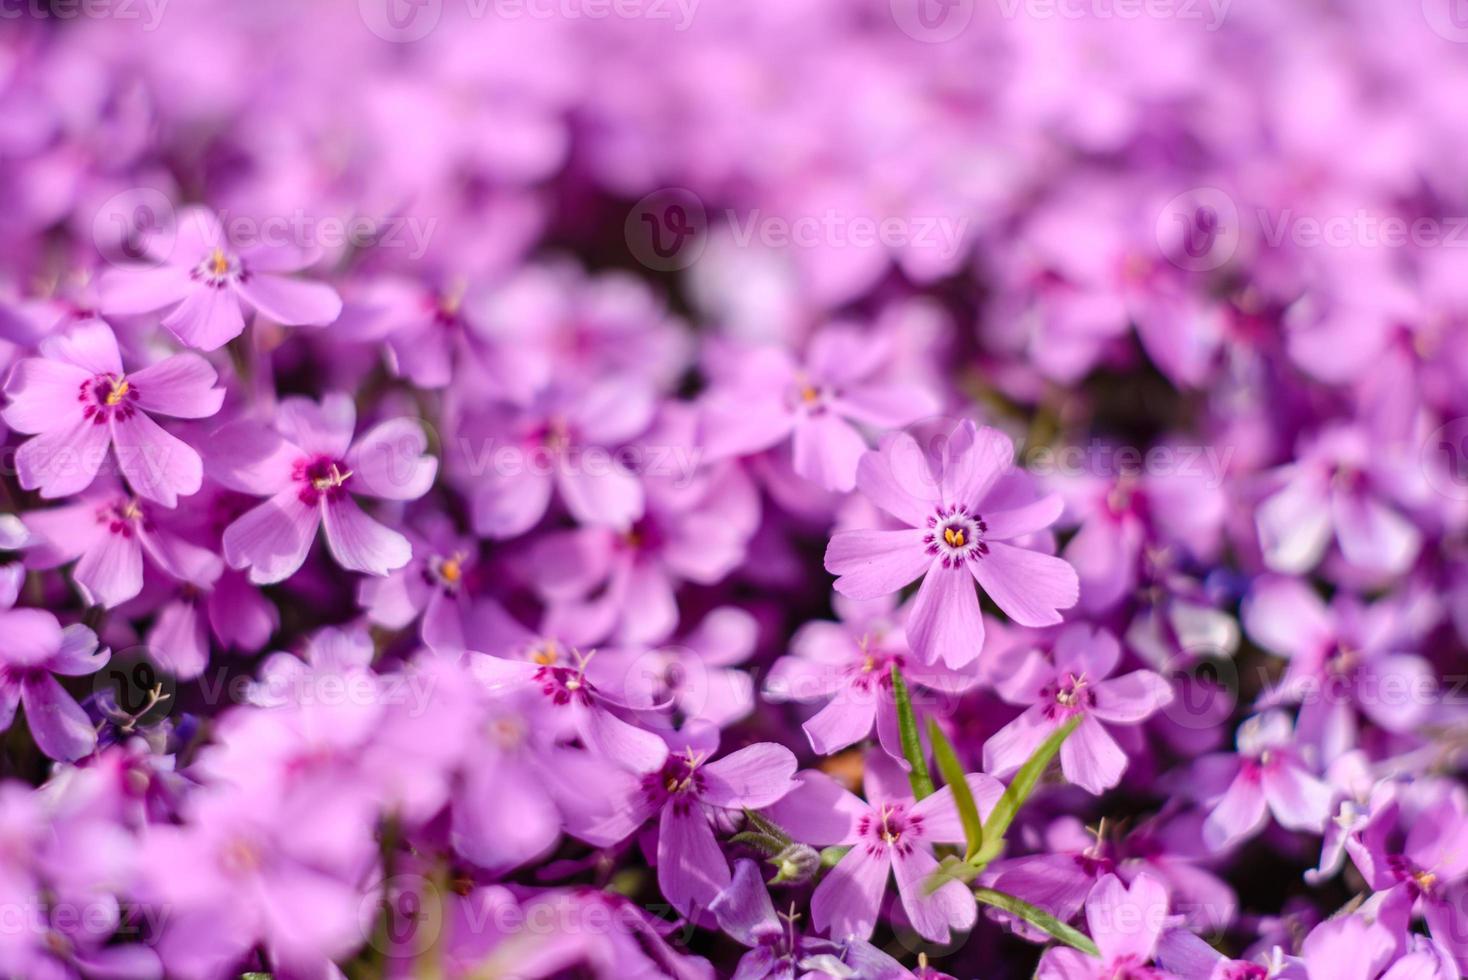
x=1038 y=918
x=912 y=743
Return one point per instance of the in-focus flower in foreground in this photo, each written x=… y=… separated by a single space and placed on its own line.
x=1077 y=682
x=77 y=401
x=964 y=509
x=888 y=833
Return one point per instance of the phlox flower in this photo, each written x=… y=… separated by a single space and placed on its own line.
x=206 y=284
x=310 y=467
x=112 y=536
x=432 y=588
x=566 y=441
x=889 y=834
x=963 y=512
x=1268 y=775
x=77 y=402
x=850 y=663
x=1075 y=681
x=1125 y=922
x=692 y=791
x=33 y=649
x=766 y=397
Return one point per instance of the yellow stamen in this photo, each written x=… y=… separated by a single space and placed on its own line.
x=118 y=391
x=546 y=654
x=218 y=262
x=954 y=537
x=809 y=394
x=333 y=479
x=451 y=571
x=1425 y=880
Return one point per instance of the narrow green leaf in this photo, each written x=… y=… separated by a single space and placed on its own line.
x=766 y=826
x=912 y=742
x=1024 y=782
x=1038 y=918
x=963 y=796
x=950 y=868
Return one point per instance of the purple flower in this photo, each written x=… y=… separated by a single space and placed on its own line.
x=963 y=512
x=888 y=834
x=112 y=536
x=206 y=284
x=1339 y=488
x=851 y=664
x=574 y=702
x=310 y=468
x=690 y=794
x=434 y=588
x=1267 y=776
x=1343 y=658
x=765 y=397
x=1075 y=681
x=566 y=440
x=35 y=646
x=77 y=401
x=1125 y=922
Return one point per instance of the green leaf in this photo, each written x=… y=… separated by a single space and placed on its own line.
x=1038 y=918
x=1024 y=782
x=963 y=796
x=912 y=743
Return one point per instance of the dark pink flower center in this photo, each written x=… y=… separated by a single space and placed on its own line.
x=890 y=825
x=1067 y=697
x=123 y=517
x=321 y=477
x=955 y=536
x=679 y=781
x=107 y=396
x=563 y=684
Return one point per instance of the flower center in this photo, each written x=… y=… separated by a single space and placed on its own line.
x=955 y=536
x=449 y=572
x=123 y=517
x=219 y=269
x=322 y=477
x=892 y=827
x=107 y=396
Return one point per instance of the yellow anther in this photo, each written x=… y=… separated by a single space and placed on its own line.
x=546 y=654
x=954 y=537
x=118 y=391
x=218 y=262
x=451 y=571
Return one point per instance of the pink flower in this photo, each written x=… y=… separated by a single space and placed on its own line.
x=206 y=284
x=963 y=510
x=1268 y=776
x=77 y=401
x=850 y=663
x=1125 y=924
x=1073 y=682
x=888 y=833
x=35 y=647
x=310 y=468
x=108 y=534
x=818 y=404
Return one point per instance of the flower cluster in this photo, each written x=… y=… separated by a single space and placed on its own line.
x=863 y=489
